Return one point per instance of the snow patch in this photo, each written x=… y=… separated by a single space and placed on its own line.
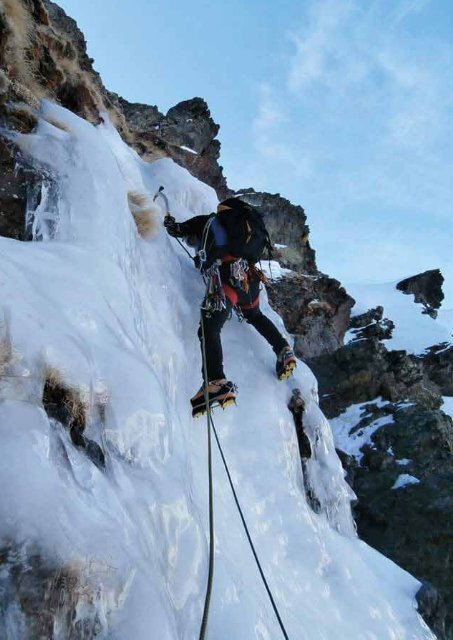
x=447 y=405
x=352 y=441
x=403 y=462
x=184 y=148
x=404 y=480
x=414 y=331
x=274 y=271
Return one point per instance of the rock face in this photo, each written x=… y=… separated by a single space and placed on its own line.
x=50 y=596
x=13 y=197
x=438 y=364
x=364 y=370
x=43 y=54
x=371 y=324
x=315 y=310
x=405 y=503
x=426 y=288
x=314 y=307
x=187 y=134
x=287 y=226
x=402 y=477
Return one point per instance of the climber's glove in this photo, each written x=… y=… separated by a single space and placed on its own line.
x=173 y=228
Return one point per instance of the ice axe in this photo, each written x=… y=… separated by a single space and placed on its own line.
x=160 y=192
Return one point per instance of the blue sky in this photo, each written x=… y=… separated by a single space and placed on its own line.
x=343 y=106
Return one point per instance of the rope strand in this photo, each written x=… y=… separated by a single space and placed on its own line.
x=207 y=602
x=210 y=424
x=247 y=533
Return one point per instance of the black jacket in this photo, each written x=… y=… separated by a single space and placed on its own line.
x=192 y=230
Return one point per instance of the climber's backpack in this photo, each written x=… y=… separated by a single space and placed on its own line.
x=241 y=230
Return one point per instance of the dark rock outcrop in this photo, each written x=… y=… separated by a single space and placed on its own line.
x=40 y=594
x=43 y=54
x=187 y=134
x=412 y=524
x=364 y=370
x=367 y=318
x=438 y=364
x=287 y=225
x=51 y=61
x=314 y=307
x=13 y=196
x=426 y=288
x=432 y=608
x=371 y=324
x=315 y=310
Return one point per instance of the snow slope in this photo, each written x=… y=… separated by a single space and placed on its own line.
x=414 y=332
x=117 y=317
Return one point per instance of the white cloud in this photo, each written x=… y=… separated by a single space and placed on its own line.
x=317 y=52
x=360 y=121
x=271 y=117
x=406 y=7
x=269 y=113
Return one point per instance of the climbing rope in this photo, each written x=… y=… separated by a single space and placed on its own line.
x=210 y=424
x=207 y=602
x=249 y=538
x=188 y=252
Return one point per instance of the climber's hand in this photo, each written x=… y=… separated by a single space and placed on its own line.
x=173 y=228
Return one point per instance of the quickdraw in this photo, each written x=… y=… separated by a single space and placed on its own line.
x=214 y=299
x=239 y=274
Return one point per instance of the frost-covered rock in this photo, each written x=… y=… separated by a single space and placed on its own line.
x=315 y=309
x=363 y=370
x=438 y=363
x=371 y=324
x=287 y=226
x=399 y=463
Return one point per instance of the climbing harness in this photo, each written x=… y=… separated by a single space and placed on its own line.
x=210 y=425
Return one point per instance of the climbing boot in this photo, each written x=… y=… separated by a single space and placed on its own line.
x=286 y=363
x=221 y=394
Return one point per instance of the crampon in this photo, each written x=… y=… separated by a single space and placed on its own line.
x=221 y=393
x=286 y=363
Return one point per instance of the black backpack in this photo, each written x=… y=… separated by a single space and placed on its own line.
x=246 y=232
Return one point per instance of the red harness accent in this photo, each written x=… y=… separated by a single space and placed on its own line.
x=232 y=295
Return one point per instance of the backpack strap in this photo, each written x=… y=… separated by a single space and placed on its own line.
x=204 y=240
x=218 y=240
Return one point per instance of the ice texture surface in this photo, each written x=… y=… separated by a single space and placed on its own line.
x=117 y=316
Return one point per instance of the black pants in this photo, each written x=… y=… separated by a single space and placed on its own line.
x=214 y=322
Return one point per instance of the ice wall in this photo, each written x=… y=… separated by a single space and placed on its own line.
x=116 y=317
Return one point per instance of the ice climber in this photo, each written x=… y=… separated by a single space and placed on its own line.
x=229 y=243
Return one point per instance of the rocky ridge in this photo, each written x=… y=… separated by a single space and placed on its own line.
x=403 y=475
